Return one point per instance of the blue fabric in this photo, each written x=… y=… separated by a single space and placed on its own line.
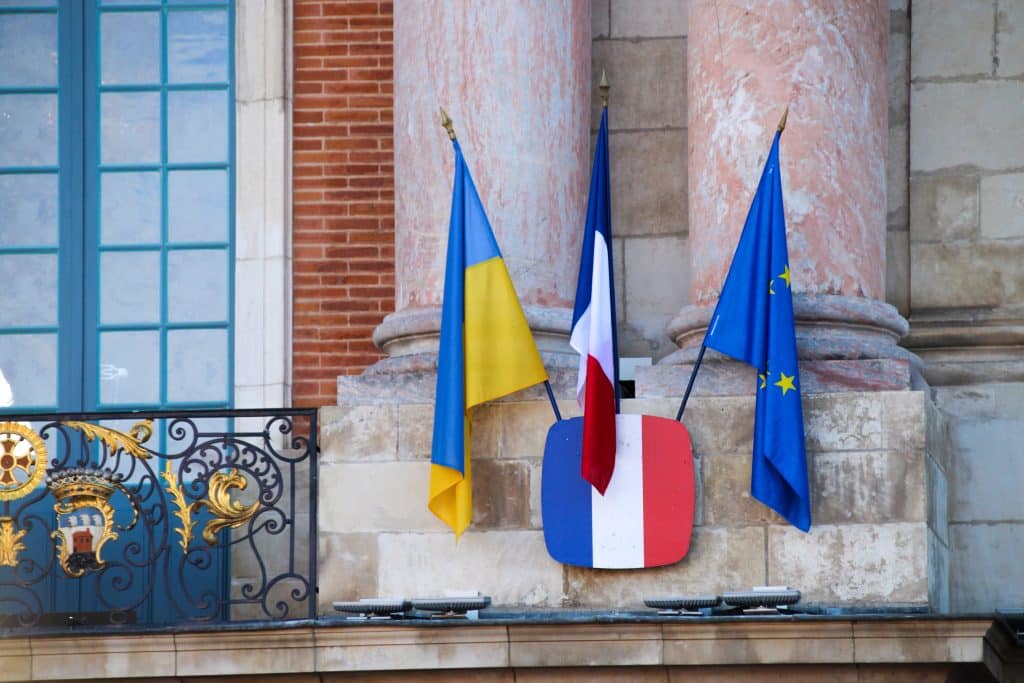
x=599 y=219
x=753 y=323
x=449 y=442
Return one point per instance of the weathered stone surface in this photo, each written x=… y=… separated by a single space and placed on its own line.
x=1010 y=38
x=244 y=653
x=985 y=566
x=367 y=432
x=1002 y=204
x=899 y=78
x=648 y=19
x=719 y=559
x=988 y=470
x=419 y=676
x=415 y=430
x=485 y=431
x=595 y=674
x=897 y=270
x=103 y=657
x=649 y=184
x=858 y=563
x=842 y=422
x=652 y=299
x=726 y=493
x=896 y=177
x=805 y=673
x=635 y=69
x=976 y=274
x=600 y=13
x=903 y=420
x=525 y=425
x=943 y=208
x=950 y=111
x=385 y=648
x=585 y=645
x=501 y=494
x=513 y=567
x=873 y=486
x=720 y=424
x=938 y=499
x=376 y=497
x=757 y=643
x=938 y=574
x=15 y=659
x=348 y=568
x=960 y=640
x=952 y=38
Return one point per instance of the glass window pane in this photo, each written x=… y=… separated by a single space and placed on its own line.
x=130 y=208
x=197 y=365
x=197 y=47
x=28 y=3
x=130 y=47
x=28 y=49
x=29 y=292
x=130 y=128
x=29 y=363
x=28 y=210
x=28 y=130
x=129 y=367
x=197 y=126
x=197 y=285
x=197 y=206
x=129 y=287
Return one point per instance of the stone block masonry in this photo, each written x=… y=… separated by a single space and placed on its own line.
x=877 y=473
x=343 y=201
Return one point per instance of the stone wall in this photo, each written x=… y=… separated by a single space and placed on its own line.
x=966 y=213
x=870 y=544
x=642 y=47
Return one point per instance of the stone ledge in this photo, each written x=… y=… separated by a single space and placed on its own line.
x=585 y=643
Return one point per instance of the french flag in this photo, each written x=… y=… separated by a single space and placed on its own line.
x=644 y=518
x=593 y=327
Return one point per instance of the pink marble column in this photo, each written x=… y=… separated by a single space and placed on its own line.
x=826 y=59
x=515 y=78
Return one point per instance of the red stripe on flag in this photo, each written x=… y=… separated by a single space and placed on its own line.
x=668 y=475
x=598 y=427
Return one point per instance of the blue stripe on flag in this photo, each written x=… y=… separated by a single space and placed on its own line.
x=568 y=532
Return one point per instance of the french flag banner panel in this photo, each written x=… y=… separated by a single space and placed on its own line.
x=644 y=518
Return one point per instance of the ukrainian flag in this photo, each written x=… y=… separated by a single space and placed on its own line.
x=486 y=349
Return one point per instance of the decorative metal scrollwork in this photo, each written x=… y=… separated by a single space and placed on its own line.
x=10 y=542
x=131 y=441
x=22 y=460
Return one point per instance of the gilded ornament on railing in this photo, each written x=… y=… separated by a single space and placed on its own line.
x=22 y=460
x=85 y=517
x=131 y=442
x=10 y=542
x=184 y=511
x=227 y=513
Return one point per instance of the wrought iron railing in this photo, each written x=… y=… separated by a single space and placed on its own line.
x=157 y=519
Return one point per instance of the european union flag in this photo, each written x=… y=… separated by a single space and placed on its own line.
x=753 y=323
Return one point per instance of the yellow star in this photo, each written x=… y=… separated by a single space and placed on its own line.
x=786 y=383
x=771 y=286
x=764 y=379
x=786 y=276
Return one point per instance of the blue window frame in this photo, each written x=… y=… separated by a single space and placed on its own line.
x=117 y=203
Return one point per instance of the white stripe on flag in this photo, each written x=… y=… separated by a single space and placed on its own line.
x=601 y=311
x=617 y=524
x=578 y=341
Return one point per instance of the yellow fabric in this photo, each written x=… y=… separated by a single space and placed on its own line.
x=500 y=357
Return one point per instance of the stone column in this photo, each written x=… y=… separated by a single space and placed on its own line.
x=826 y=59
x=515 y=78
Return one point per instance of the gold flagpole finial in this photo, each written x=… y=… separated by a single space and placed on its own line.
x=446 y=122
x=782 y=123
x=604 y=88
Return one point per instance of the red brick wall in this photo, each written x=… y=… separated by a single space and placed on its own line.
x=343 y=246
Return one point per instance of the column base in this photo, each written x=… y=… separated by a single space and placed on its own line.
x=844 y=344
x=411 y=337
x=969 y=346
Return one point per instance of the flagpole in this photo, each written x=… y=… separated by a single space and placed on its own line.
x=689 y=385
x=449 y=126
